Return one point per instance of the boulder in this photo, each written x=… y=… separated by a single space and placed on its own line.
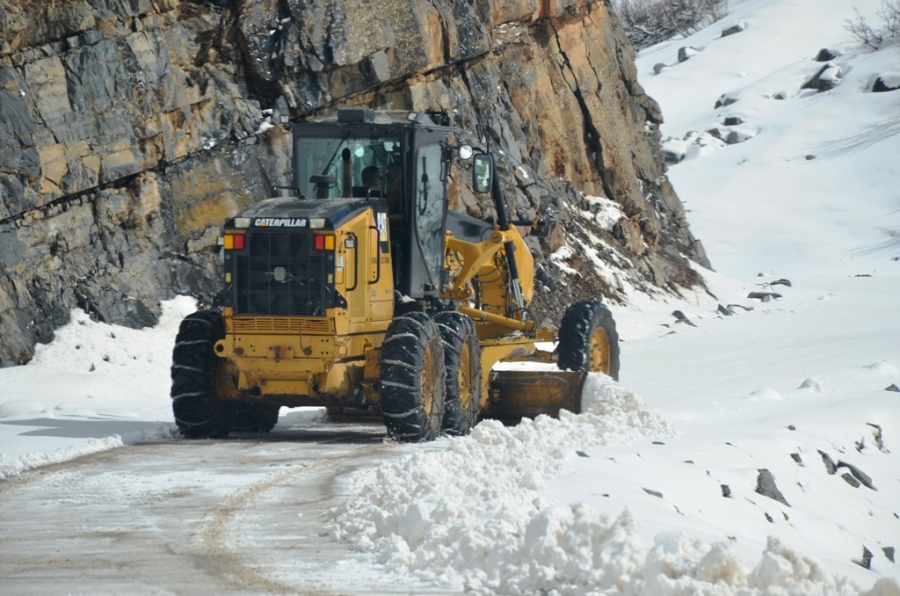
x=726 y=99
x=764 y=296
x=830 y=466
x=686 y=52
x=765 y=485
x=826 y=54
x=886 y=82
x=849 y=479
x=736 y=28
x=858 y=474
x=866 y=560
x=738 y=136
x=826 y=78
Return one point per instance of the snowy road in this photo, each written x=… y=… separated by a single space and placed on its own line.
x=236 y=516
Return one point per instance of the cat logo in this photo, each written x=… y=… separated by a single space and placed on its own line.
x=279 y=222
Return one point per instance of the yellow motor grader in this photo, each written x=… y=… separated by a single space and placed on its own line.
x=364 y=292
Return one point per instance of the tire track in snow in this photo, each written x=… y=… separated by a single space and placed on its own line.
x=217 y=534
x=877 y=132
x=241 y=516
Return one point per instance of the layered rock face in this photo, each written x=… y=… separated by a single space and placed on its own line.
x=131 y=129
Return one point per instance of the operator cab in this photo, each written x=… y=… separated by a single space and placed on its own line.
x=395 y=159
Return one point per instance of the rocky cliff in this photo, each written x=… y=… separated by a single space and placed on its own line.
x=130 y=129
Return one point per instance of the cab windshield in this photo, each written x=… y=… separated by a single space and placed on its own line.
x=346 y=166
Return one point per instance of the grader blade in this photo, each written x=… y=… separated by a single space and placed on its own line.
x=517 y=394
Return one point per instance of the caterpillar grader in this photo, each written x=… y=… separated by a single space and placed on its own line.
x=363 y=292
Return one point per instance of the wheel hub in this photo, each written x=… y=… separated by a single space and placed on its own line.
x=426 y=380
x=599 y=351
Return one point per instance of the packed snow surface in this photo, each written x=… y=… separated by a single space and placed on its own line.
x=657 y=488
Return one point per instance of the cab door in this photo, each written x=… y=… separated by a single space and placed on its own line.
x=426 y=211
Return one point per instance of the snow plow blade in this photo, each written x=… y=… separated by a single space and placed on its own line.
x=525 y=394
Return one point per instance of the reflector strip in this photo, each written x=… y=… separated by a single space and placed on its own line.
x=320 y=242
x=239 y=242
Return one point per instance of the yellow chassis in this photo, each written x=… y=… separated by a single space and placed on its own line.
x=334 y=360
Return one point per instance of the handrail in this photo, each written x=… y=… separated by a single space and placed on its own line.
x=377 y=255
x=355 y=262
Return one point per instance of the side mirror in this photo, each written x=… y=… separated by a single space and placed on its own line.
x=482 y=172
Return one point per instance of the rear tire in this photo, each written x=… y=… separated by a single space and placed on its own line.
x=588 y=340
x=412 y=380
x=462 y=360
x=199 y=413
x=255 y=418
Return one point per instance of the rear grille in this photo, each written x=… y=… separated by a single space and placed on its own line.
x=278 y=325
x=282 y=276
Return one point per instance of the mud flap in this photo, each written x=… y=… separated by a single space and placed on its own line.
x=517 y=394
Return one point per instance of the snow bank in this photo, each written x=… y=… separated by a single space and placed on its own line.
x=95 y=387
x=472 y=514
x=15 y=465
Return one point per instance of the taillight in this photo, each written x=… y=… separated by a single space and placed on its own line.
x=324 y=242
x=234 y=242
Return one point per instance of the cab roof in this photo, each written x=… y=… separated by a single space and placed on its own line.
x=370 y=116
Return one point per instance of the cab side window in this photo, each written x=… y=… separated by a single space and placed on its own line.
x=429 y=206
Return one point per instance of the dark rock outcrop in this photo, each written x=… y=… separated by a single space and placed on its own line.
x=866 y=560
x=857 y=474
x=685 y=53
x=826 y=78
x=736 y=28
x=849 y=479
x=885 y=83
x=765 y=485
x=129 y=131
x=826 y=54
x=764 y=296
x=830 y=466
x=726 y=99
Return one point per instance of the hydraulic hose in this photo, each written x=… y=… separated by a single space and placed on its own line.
x=509 y=247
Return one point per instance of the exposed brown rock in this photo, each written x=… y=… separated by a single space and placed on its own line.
x=130 y=130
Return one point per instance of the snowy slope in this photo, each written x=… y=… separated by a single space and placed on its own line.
x=653 y=491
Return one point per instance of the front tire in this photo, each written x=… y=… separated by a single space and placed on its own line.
x=199 y=413
x=588 y=340
x=462 y=360
x=412 y=379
